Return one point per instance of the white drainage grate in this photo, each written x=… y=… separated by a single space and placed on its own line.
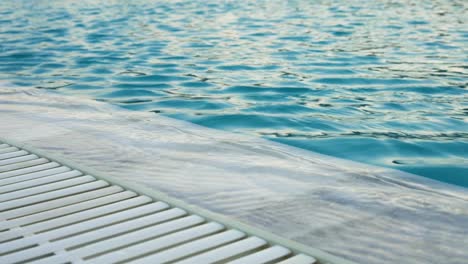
x=51 y=213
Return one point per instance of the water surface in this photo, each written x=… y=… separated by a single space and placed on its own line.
x=381 y=82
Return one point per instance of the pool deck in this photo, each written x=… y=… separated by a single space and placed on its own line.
x=52 y=210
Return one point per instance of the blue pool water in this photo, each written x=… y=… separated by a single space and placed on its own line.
x=381 y=82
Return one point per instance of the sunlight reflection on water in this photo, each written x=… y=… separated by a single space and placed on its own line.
x=381 y=82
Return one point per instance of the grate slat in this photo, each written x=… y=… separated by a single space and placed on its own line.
x=265 y=256
x=8 y=150
x=193 y=247
x=75 y=217
x=109 y=245
x=118 y=195
x=48 y=205
x=226 y=252
x=32 y=176
x=27 y=170
x=13 y=154
x=76 y=228
x=155 y=245
x=22 y=164
x=60 y=181
x=14 y=160
x=299 y=259
x=113 y=230
x=11 y=204
x=114 y=244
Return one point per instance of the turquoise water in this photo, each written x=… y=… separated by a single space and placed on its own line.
x=381 y=82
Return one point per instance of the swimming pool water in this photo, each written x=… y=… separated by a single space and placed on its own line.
x=381 y=82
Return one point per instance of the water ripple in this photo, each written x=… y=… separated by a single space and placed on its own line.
x=387 y=77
